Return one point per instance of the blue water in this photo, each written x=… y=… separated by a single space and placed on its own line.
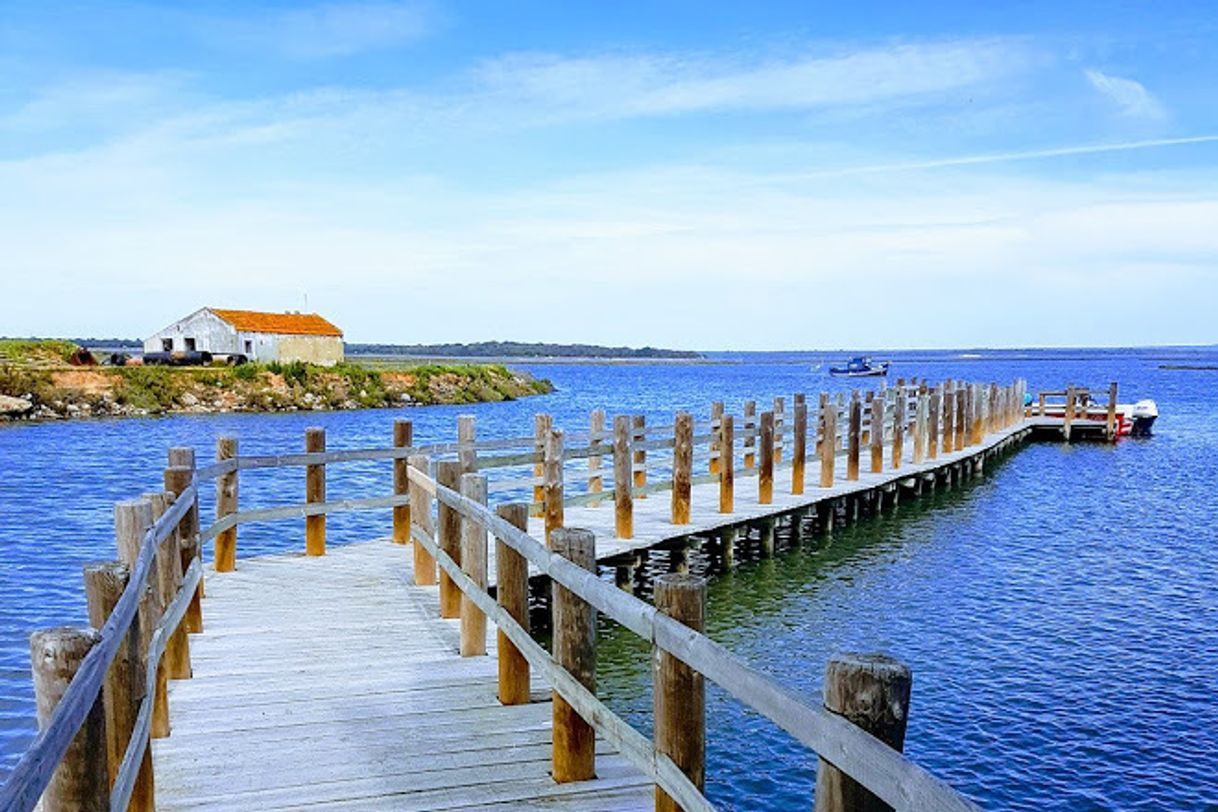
x=1060 y=615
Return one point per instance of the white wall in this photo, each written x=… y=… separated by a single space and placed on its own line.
x=209 y=331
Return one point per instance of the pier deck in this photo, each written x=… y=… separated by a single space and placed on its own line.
x=332 y=683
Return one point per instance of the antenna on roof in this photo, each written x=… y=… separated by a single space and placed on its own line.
x=306 y=301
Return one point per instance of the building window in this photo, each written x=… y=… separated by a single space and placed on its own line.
x=167 y=344
x=190 y=345
x=249 y=347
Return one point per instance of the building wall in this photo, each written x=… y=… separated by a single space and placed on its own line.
x=323 y=350
x=213 y=334
x=210 y=334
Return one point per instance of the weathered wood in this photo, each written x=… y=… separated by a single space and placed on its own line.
x=177 y=648
x=750 y=434
x=679 y=695
x=872 y=692
x=552 y=481
x=542 y=423
x=225 y=550
x=81 y=782
x=1110 y=424
x=315 y=491
x=877 y=434
x=131 y=520
x=960 y=414
x=978 y=424
x=639 y=467
x=934 y=407
x=765 y=479
x=780 y=428
x=574 y=624
x=424 y=565
x=448 y=474
x=473 y=564
x=403 y=437
x=828 y=456
x=512 y=593
x=898 y=428
x=467 y=439
x=189 y=544
x=920 y=420
x=623 y=497
x=596 y=431
x=799 y=439
x=682 y=466
x=727 y=470
x=1068 y=414
x=854 y=441
x=716 y=415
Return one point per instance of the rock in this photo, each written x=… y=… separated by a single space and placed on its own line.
x=189 y=400
x=406 y=398
x=14 y=406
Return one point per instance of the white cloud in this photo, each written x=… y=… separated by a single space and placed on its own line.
x=326 y=30
x=1130 y=96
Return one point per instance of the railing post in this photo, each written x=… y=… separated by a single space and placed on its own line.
x=574 y=623
x=189 y=544
x=403 y=437
x=799 y=439
x=780 y=427
x=727 y=471
x=315 y=493
x=467 y=435
x=177 y=649
x=131 y=520
x=978 y=413
x=750 y=434
x=448 y=474
x=898 y=427
x=765 y=480
x=623 y=497
x=919 y=451
x=542 y=423
x=420 y=514
x=828 y=445
x=473 y=564
x=949 y=408
x=854 y=442
x=872 y=692
x=512 y=593
x=552 y=485
x=932 y=417
x=1068 y=415
x=682 y=466
x=679 y=692
x=877 y=433
x=1110 y=429
x=961 y=417
x=716 y=424
x=1040 y=405
x=596 y=431
x=81 y=781
x=225 y=551
x=638 y=467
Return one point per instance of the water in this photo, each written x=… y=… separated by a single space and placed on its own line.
x=1059 y=615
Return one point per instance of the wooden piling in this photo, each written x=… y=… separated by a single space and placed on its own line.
x=765 y=480
x=1068 y=417
x=182 y=463
x=225 y=549
x=596 y=433
x=512 y=593
x=854 y=441
x=403 y=437
x=177 y=648
x=799 y=450
x=448 y=474
x=131 y=520
x=467 y=436
x=872 y=692
x=638 y=467
x=877 y=434
x=828 y=452
x=898 y=427
x=920 y=419
x=727 y=471
x=552 y=482
x=1111 y=426
x=542 y=423
x=682 y=466
x=949 y=410
x=473 y=564
x=716 y=416
x=81 y=782
x=315 y=493
x=961 y=418
x=932 y=427
x=420 y=514
x=574 y=646
x=679 y=694
x=978 y=425
x=623 y=496
x=780 y=428
x=750 y=435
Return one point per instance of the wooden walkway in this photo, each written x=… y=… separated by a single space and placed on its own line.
x=331 y=683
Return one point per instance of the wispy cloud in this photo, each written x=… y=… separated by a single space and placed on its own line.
x=1129 y=95
x=326 y=30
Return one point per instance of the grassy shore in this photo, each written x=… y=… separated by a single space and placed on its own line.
x=37 y=373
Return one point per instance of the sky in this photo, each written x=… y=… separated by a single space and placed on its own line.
x=735 y=176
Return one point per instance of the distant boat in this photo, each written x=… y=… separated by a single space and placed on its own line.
x=861 y=368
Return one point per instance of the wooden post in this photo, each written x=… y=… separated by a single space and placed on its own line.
x=512 y=593
x=81 y=782
x=124 y=686
x=979 y=409
x=596 y=432
x=188 y=537
x=225 y=550
x=854 y=442
x=750 y=434
x=552 y=506
x=177 y=649
x=765 y=481
x=828 y=452
x=315 y=493
x=1040 y=404
x=473 y=564
x=679 y=694
x=448 y=475
x=961 y=418
x=403 y=437
x=131 y=520
x=639 y=466
x=682 y=466
x=799 y=439
x=823 y=404
x=623 y=497
x=898 y=427
x=919 y=452
x=574 y=624
x=932 y=417
x=467 y=435
x=1068 y=417
x=542 y=423
x=872 y=692
x=877 y=434
x=727 y=471
x=420 y=514
x=780 y=428
x=716 y=424
x=1111 y=429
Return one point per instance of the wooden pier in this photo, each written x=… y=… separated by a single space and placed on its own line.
x=401 y=673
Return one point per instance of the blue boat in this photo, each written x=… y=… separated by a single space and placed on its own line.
x=861 y=368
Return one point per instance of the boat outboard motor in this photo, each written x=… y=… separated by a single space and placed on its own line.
x=1142 y=417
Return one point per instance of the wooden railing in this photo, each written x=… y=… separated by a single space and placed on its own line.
x=104 y=690
x=1076 y=403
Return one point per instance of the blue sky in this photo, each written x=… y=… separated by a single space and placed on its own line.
x=737 y=176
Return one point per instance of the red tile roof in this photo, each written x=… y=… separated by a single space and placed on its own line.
x=301 y=324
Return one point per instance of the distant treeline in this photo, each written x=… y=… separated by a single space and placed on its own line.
x=517 y=349
x=83 y=342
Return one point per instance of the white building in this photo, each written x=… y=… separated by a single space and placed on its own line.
x=259 y=336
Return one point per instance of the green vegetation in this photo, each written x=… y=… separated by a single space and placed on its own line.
x=151 y=389
x=35 y=350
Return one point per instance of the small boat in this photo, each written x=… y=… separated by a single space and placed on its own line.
x=861 y=368
x=1132 y=419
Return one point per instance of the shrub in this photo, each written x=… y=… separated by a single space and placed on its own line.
x=152 y=388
